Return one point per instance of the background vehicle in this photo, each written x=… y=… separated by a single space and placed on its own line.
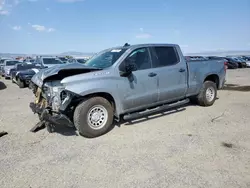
x=8 y=64
x=124 y=82
x=2 y=64
x=241 y=62
x=63 y=59
x=195 y=58
x=46 y=61
x=247 y=59
x=77 y=60
x=231 y=63
x=23 y=72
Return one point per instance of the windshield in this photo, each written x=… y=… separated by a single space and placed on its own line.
x=52 y=61
x=105 y=58
x=28 y=66
x=62 y=59
x=81 y=60
x=11 y=63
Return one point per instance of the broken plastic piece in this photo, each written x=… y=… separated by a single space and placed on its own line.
x=3 y=133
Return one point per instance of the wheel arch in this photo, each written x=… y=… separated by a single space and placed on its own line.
x=214 y=78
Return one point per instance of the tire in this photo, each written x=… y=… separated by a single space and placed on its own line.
x=86 y=126
x=203 y=98
x=20 y=83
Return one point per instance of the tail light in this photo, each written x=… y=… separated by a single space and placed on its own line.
x=225 y=65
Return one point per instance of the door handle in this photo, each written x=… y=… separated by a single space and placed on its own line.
x=152 y=74
x=182 y=70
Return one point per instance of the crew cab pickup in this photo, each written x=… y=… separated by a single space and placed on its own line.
x=126 y=82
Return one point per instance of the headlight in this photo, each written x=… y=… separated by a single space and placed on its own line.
x=56 y=102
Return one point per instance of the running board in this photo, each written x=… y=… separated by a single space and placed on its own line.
x=154 y=110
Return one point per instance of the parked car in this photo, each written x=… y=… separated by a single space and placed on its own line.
x=124 y=82
x=232 y=63
x=8 y=64
x=241 y=62
x=22 y=73
x=77 y=60
x=195 y=58
x=63 y=59
x=247 y=59
x=2 y=60
x=48 y=61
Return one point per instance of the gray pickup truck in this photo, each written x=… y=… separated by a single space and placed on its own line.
x=126 y=82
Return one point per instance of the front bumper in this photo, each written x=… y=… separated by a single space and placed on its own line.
x=54 y=118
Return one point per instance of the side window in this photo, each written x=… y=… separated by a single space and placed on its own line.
x=140 y=58
x=165 y=56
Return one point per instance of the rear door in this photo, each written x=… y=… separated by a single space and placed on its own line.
x=171 y=72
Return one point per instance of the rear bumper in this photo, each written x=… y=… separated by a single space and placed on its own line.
x=55 y=118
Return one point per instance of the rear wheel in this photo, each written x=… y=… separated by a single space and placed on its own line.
x=208 y=94
x=94 y=117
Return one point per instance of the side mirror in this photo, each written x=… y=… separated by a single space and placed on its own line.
x=127 y=69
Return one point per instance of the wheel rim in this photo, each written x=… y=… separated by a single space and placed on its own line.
x=210 y=94
x=97 y=117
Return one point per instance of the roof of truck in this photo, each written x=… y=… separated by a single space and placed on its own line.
x=144 y=45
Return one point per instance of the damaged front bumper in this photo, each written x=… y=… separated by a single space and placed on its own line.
x=51 y=117
x=50 y=114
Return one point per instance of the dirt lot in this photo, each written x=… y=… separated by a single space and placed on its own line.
x=183 y=149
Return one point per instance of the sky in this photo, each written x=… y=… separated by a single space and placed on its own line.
x=55 y=26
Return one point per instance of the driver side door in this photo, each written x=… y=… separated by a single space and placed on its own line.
x=139 y=89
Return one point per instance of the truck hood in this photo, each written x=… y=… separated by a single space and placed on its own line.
x=29 y=71
x=9 y=67
x=60 y=72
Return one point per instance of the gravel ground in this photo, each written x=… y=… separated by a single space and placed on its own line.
x=174 y=149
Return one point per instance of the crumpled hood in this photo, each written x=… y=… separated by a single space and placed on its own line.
x=60 y=72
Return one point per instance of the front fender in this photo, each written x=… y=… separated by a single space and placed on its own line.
x=86 y=88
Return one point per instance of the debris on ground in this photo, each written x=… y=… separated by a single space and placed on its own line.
x=227 y=145
x=3 y=133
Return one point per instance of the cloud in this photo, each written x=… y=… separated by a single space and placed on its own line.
x=4 y=12
x=69 y=1
x=17 y=28
x=143 y=35
x=7 y=5
x=42 y=28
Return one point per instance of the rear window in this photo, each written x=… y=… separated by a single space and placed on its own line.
x=11 y=63
x=166 y=56
x=52 y=61
x=27 y=66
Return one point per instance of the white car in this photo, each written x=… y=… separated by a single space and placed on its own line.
x=248 y=64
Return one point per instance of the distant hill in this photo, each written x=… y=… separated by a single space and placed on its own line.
x=72 y=53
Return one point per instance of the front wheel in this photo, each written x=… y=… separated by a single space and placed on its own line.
x=94 y=117
x=208 y=94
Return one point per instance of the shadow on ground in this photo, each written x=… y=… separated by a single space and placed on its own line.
x=66 y=131
x=236 y=87
x=2 y=86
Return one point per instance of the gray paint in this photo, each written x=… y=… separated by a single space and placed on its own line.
x=139 y=91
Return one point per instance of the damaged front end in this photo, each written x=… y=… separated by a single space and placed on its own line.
x=53 y=104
